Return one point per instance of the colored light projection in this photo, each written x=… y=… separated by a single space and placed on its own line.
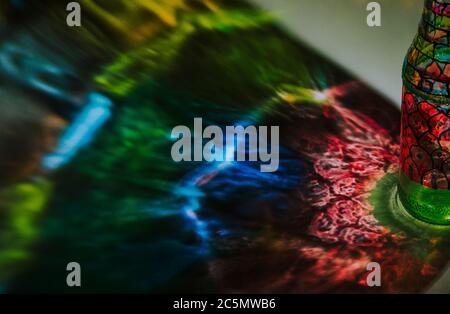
x=138 y=222
x=425 y=118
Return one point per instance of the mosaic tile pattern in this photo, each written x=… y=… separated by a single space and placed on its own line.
x=425 y=147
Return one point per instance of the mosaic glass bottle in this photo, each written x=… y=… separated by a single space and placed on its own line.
x=424 y=183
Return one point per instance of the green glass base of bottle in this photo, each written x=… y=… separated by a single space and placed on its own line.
x=429 y=205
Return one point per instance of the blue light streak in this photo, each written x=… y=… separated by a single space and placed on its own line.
x=80 y=132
